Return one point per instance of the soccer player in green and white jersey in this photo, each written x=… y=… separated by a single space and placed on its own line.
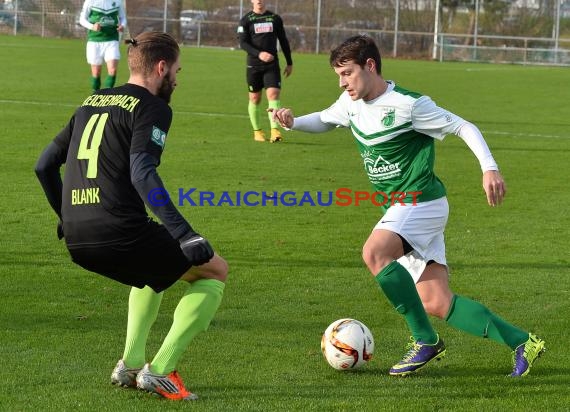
x=104 y=20
x=395 y=130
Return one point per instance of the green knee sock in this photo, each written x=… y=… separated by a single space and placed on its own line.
x=472 y=317
x=110 y=81
x=192 y=316
x=253 y=110
x=95 y=83
x=273 y=104
x=143 y=310
x=399 y=288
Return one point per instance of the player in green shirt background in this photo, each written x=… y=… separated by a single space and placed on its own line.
x=395 y=130
x=104 y=20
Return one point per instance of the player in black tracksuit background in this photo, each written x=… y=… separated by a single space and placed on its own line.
x=111 y=148
x=258 y=33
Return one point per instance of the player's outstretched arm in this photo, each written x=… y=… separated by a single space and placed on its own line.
x=284 y=117
x=310 y=123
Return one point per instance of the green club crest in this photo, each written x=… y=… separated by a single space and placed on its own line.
x=389 y=118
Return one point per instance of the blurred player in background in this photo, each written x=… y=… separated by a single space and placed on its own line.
x=111 y=149
x=394 y=129
x=258 y=33
x=104 y=20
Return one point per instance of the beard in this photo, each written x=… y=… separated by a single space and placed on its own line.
x=166 y=89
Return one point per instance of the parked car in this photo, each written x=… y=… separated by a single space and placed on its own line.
x=361 y=26
x=293 y=22
x=191 y=23
x=151 y=19
x=229 y=13
x=7 y=18
x=341 y=31
x=296 y=37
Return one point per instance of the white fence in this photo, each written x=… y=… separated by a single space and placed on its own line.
x=503 y=49
x=402 y=28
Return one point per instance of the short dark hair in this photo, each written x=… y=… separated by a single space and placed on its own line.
x=358 y=49
x=148 y=48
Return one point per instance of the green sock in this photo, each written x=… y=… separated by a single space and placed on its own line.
x=192 y=316
x=110 y=81
x=143 y=310
x=253 y=110
x=95 y=83
x=398 y=286
x=273 y=104
x=472 y=317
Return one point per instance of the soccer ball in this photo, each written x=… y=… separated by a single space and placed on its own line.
x=347 y=344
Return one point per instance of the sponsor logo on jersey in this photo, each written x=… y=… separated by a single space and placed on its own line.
x=379 y=169
x=263 y=27
x=389 y=117
x=158 y=136
x=240 y=29
x=107 y=21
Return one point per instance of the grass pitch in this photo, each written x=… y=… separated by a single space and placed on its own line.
x=293 y=270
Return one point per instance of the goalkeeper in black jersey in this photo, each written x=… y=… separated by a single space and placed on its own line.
x=111 y=149
x=258 y=32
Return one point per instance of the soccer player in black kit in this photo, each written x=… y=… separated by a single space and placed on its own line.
x=258 y=32
x=111 y=148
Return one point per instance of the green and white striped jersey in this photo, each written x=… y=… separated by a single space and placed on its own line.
x=395 y=136
x=108 y=13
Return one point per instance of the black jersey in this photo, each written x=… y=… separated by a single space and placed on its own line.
x=99 y=202
x=260 y=32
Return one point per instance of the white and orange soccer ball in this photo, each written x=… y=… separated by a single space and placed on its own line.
x=347 y=344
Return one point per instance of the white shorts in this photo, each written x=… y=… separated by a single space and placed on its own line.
x=422 y=226
x=99 y=51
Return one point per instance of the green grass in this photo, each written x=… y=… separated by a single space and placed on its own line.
x=293 y=269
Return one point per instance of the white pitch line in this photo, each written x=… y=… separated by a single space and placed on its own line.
x=552 y=136
x=183 y=112
x=243 y=116
x=35 y=103
x=211 y=114
x=484 y=69
x=29 y=46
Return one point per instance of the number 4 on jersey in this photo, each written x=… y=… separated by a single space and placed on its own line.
x=90 y=152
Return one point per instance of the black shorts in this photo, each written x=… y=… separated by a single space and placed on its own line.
x=259 y=77
x=151 y=258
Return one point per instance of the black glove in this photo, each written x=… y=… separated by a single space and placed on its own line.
x=196 y=249
x=59 y=230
